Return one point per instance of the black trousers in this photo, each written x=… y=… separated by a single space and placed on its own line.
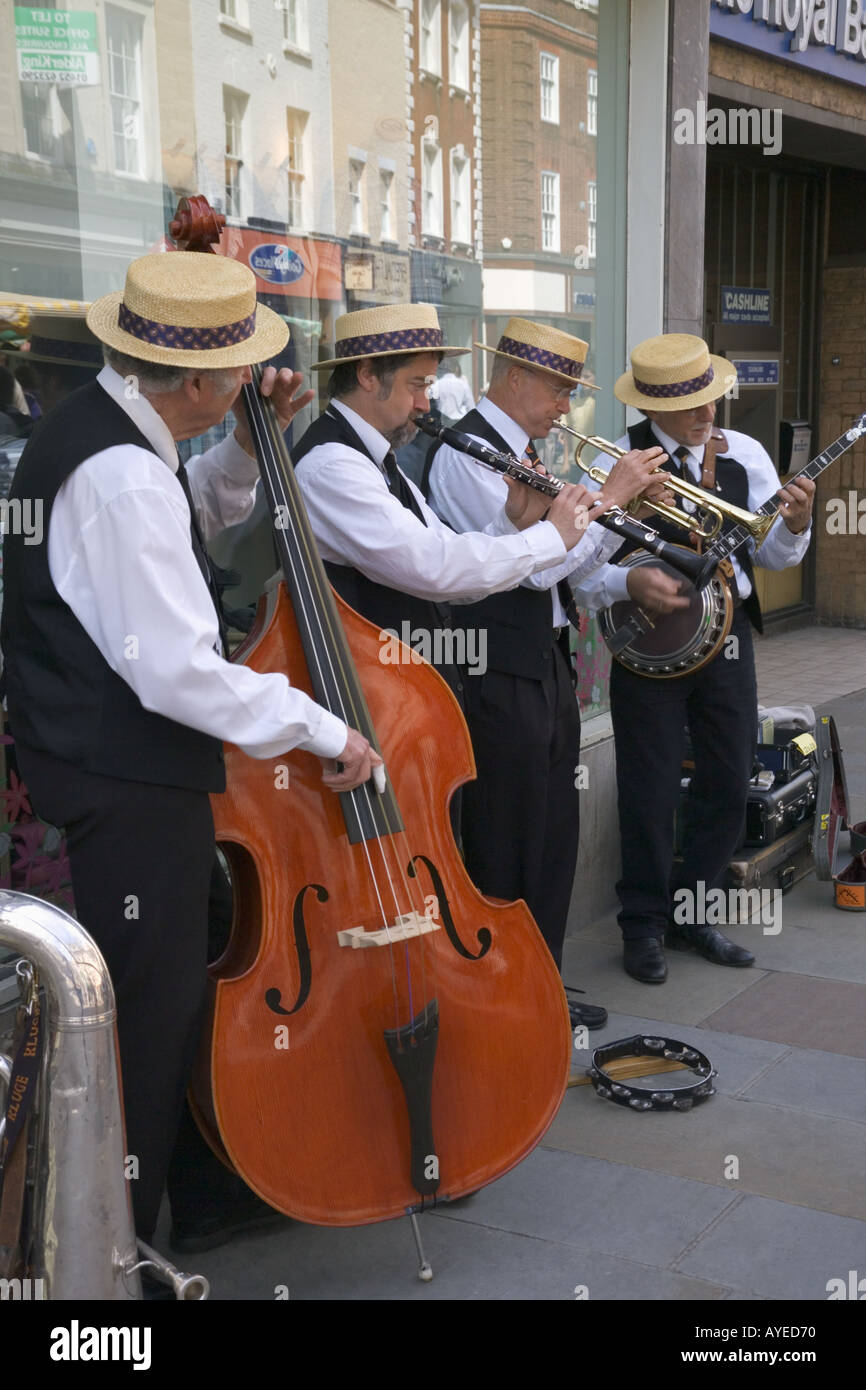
x=719 y=706
x=521 y=816
x=141 y=858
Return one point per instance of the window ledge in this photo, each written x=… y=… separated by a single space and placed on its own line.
x=389 y=244
x=424 y=75
x=291 y=51
x=464 y=247
x=234 y=26
x=359 y=239
x=548 y=120
x=456 y=91
x=432 y=241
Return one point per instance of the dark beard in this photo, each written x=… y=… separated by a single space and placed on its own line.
x=404 y=435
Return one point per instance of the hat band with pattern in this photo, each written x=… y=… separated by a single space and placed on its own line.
x=169 y=335
x=669 y=389
x=400 y=340
x=540 y=357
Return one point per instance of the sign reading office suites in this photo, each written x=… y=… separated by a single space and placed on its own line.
x=57 y=46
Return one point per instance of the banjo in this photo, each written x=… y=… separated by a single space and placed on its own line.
x=678 y=643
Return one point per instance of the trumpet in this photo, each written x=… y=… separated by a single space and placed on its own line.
x=710 y=511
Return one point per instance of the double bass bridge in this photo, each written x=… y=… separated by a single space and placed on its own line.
x=405 y=926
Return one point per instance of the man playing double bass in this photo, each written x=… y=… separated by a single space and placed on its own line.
x=120 y=696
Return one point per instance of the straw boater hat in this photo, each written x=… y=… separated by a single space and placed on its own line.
x=62 y=338
x=546 y=348
x=186 y=309
x=384 y=332
x=675 y=371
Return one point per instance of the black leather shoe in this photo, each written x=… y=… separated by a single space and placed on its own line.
x=644 y=960
x=709 y=943
x=200 y=1233
x=585 y=1015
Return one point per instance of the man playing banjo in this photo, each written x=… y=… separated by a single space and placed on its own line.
x=676 y=382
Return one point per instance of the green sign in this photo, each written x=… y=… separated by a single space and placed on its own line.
x=57 y=46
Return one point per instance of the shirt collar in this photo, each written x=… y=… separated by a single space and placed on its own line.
x=670 y=446
x=515 y=437
x=142 y=414
x=376 y=443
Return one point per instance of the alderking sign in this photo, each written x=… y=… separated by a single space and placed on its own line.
x=824 y=35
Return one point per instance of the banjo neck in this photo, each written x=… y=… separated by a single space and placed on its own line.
x=725 y=545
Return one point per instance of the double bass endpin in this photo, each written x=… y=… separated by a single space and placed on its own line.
x=425 y=1269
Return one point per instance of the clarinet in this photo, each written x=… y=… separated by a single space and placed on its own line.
x=699 y=569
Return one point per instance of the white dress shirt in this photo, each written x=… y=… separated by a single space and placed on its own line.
x=466 y=495
x=780 y=549
x=358 y=522
x=120 y=556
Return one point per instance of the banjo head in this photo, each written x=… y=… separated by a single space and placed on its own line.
x=679 y=642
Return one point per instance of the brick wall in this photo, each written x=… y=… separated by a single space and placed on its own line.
x=841 y=559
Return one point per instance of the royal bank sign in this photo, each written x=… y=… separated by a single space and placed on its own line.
x=824 y=35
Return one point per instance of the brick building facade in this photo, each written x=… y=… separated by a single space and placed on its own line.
x=539 y=85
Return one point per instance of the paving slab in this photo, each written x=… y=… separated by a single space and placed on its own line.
x=694 y=987
x=788 y=1154
x=820 y=1082
x=609 y=1207
x=778 y=1251
x=481 y=1248
x=824 y=1015
x=738 y=1061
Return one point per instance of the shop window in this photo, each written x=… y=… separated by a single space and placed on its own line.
x=296 y=128
x=458 y=34
x=431 y=191
x=461 y=196
x=592 y=102
x=550 y=232
x=357 y=219
x=431 y=36
x=550 y=88
x=123 y=41
x=591 y=218
x=386 y=205
x=234 y=108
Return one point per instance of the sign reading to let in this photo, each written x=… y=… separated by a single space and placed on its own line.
x=57 y=46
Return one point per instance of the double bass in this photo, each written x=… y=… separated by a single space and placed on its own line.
x=380 y=1035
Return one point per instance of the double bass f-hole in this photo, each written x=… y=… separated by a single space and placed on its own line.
x=484 y=936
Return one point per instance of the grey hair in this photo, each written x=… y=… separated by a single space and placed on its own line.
x=158 y=379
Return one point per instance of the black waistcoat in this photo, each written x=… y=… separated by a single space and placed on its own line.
x=390 y=609
x=63 y=697
x=519 y=622
x=732 y=485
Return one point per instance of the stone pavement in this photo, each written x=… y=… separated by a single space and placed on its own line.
x=636 y=1206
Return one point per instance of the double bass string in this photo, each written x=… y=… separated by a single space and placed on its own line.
x=267 y=432
x=344 y=690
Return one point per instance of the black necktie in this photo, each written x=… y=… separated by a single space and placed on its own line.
x=201 y=555
x=681 y=454
x=398 y=486
x=563 y=588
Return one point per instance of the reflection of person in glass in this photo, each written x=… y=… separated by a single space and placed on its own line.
x=676 y=383
x=452 y=394
x=521 y=815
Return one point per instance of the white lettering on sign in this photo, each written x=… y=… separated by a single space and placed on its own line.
x=809 y=22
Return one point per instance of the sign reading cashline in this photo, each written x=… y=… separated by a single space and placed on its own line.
x=743 y=304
